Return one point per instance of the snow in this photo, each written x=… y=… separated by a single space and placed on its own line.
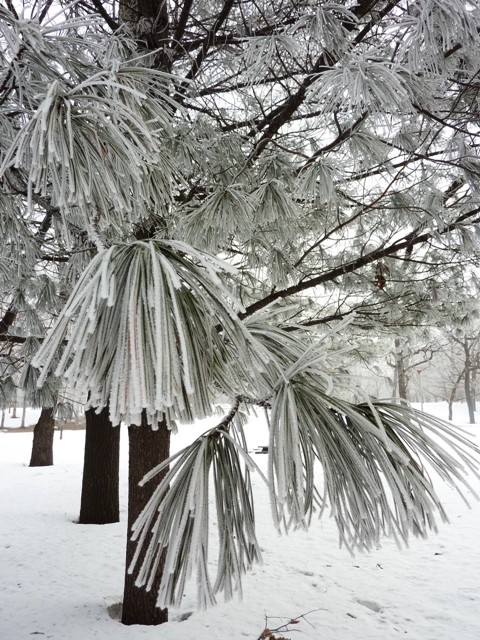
x=59 y=578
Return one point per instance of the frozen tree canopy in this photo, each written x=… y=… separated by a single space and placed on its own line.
x=189 y=198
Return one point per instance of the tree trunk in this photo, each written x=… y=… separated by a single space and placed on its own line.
x=401 y=372
x=147 y=449
x=453 y=391
x=394 y=382
x=467 y=383
x=474 y=386
x=100 y=501
x=42 y=447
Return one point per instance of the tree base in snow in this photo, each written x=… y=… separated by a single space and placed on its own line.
x=42 y=447
x=141 y=608
x=147 y=449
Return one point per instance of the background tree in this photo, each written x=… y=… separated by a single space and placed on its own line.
x=469 y=345
x=328 y=153
x=409 y=359
x=462 y=355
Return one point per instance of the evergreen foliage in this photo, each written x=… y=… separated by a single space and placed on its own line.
x=211 y=181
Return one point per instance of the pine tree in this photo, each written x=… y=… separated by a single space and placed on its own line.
x=215 y=183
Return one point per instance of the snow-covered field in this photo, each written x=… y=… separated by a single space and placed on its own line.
x=58 y=579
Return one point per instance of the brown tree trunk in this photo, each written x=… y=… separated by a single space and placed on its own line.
x=469 y=398
x=402 y=377
x=450 y=409
x=474 y=386
x=453 y=391
x=100 y=502
x=42 y=447
x=147 y=449
x=151 y=21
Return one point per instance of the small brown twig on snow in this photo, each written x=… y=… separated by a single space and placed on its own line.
x=269 y=634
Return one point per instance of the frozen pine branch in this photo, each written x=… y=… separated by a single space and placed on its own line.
x=177 y=519
x=376 y=460
x=170 y=334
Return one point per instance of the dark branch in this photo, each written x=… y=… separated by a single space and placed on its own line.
x=282 y=114
x=209 y=38
x=355 y=265
x=100 y=9
x=182 y=23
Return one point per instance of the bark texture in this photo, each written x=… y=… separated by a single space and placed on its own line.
x=42 y=447
x=100 y=501
x=147 y=449
x=469 y=390
x=402 y=378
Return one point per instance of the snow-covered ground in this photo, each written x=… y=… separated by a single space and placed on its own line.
x=58 y=579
